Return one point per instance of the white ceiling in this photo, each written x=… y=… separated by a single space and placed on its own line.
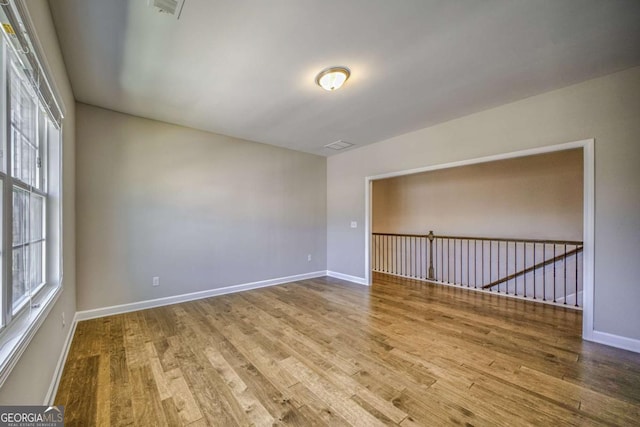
x=246 y=68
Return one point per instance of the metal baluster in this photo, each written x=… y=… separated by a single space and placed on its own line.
x=430 y=274
x=534 y=271
x=448 y=260
x=524 y=268
x=387 y=246
x=544 y=272
x=419 y=258
x=490 y=260
x=379 y=257
x=468 y=281
x=482 y=262
x=506 y=266
x=385 y=253
x=400 y=254
x=423 y=258
x=392 y=254
x=564 y=261
x=442 y=259
x=475 y=264
x=576 y=304
x=396 y=249
x=554 y=272
x=407 y=255
x=389 y=254
x=414 y=258
x=498 y=264
x=401 y=265
x=380 y=253
x=408 y=274
x=407 y=249
x=515 y=267
x=460 y=262
x=455 y=269
x=376 y=254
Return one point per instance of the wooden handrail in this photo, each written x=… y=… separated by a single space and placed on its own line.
x=534 y=267
x=400 y=235
x=494 y=239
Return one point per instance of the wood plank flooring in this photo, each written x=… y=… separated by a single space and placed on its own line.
x=326 y=352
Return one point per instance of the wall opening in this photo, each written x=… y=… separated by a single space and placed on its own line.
x=541 y=194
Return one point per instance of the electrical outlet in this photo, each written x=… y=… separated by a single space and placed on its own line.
x=64 y=323
x=354 y=224
x=309 y=257
x=156 y=281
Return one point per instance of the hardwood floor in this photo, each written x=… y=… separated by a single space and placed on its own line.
x=325 y=352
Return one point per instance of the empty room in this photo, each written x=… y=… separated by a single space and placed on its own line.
x=336 y=213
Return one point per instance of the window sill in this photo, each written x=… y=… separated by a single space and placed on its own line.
x=16 y=338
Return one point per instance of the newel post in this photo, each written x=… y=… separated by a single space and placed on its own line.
x=431 y=237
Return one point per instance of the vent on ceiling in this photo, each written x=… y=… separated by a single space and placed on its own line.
x=169 y=7
x=339 y=145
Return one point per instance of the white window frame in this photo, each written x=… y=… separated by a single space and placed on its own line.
x=17 y=328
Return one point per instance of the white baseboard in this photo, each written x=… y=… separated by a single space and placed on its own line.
x=348 y=278
x=57 y=374
x=617 y=341
x=175 y=299
x=571 y=298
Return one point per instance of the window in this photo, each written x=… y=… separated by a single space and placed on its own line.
x=25 y=190
x=30 y=190
x=28 y=200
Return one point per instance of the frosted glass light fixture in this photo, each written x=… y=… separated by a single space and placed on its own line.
x=332 y=78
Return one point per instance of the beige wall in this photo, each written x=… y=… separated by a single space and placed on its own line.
x=201 y=211
x=537 y=197
x=606 y=109
x=30 y=379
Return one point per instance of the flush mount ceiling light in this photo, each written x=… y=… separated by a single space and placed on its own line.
x=332 y=78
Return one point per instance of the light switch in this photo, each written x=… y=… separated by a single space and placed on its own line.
x=354 y=224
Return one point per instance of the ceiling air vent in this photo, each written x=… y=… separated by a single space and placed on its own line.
x=339 y=145
x=169 y=7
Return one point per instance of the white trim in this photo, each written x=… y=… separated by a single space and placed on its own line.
x=18 y=335
x=571 y=298
x=618 y=341
x=348 y=278
x=588 y=224
x=368 y=221
x=504 y=156
x=57 y=374
x=589 y=212
x=41 y=57
x=175 y=299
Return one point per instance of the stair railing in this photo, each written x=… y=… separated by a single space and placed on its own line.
x=547 y=271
